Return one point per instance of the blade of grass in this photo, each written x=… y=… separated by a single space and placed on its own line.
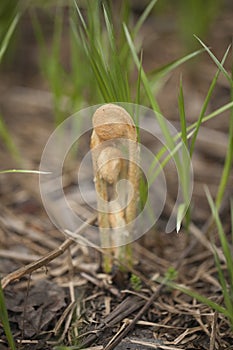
x=55 y=71
x=5 y=321
x=191 y=130
x=226 y=294
x=93 y=55
x=206 y=102
x=183 y=165
x=99 y=70
x=191 y=127
x=145 y=82
x=107 y=67
x=139 y=80
x=182 y=115
x=24 y=171
x=182 y=211
x=144 y=79
x=222 y=237
x=213 y=114
x=50 y=60
x=228 y=159
x=116 y=71
x=216 y=61
x=4 y=133
x=167 y=68
x=227 y=286
x=8 y=141
x=199 y=297
x=231 y=203
x=124 y=54
x=143 y=17
x=8 y=35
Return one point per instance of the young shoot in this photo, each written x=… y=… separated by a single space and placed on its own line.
x=115 y=153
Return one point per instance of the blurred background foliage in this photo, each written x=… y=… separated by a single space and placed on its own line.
x=189 y=16
x=44 y=46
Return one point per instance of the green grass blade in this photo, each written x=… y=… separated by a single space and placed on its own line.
x=80 y=16
x=183 y=165
x=8 y=140
x=117 y=71
x=223 y=239
x=92 y=54
x=228 y=159
x=139 y=80
x=4 y=133
x=200 y=298
x=226 y=294
x=24 y=171
x=216 y=61
x=212 y=115
x=6 y=40
x=109 y=71
x=167 y=68
x=181 y=213
x=205 y=104
x=149 y=93
x=231 y=205
x=182 y=115
x=190 y=129
x=5 y=321
x=143 y=17
x=153 y=174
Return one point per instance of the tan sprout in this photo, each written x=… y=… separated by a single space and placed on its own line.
x=109 y=164
x=111 y=122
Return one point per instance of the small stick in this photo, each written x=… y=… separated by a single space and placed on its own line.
x=131 y=325
x=28 y=269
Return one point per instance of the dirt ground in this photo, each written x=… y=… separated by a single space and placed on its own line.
x=55 y=289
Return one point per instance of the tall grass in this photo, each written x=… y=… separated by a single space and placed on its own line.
x=225 y=279
x=4 y=132
x=225 y=275
x=5 y=321
x=72 y=86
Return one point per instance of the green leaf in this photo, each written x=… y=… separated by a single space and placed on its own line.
x=216 y=61
x=8 y=140
x=143 y=17
x=8 y=36
x=182 y=115
x=228 y=159
x=167 y=68
x=199 y=297
x=5 y=321
x=223 y=239
x=205 y=104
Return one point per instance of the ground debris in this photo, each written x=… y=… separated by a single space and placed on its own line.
x=36 y=311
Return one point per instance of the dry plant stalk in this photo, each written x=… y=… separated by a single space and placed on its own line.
x=111 y=124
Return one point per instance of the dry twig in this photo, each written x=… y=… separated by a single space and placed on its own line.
x=27 y=269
